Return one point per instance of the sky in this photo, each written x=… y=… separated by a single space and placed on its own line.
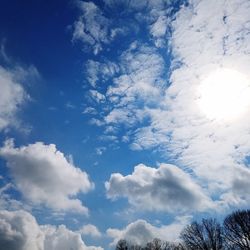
x=121 y=119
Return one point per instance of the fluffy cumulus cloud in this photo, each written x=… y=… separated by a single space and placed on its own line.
x=140 y=232
x=166 y=188
x=12 y=96
x=19 y=230
x=44 y=176
x=90 y=230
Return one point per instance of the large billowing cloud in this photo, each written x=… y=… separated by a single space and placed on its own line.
x=20 y=231
x=166 y=188
x=44 y=176
x=140 y=232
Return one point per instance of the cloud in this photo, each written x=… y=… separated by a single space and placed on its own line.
x=7 y=201
x=160 y=28
x=202 y=42
x=19 y=231
x=140 y=231
x=166 y=188
x=159 y=107
x=61 y=238
x=92 y=27
x=100 y=150
x=97 y=96
x=142 y=72
x=213 y=149
x=90 y=230
x=44 y=176
x=138 y=86
x=99 y=72
x=12 y=96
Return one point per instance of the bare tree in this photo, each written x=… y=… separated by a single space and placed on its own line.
x=122 y=245
x=155 y=244
x=172 y=246
x=237 y=230
x=204 y=236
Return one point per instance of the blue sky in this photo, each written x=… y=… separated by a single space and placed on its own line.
x=121 y=119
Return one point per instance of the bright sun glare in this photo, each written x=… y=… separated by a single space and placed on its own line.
x=224 y=95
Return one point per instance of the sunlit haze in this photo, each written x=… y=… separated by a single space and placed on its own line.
x=224 y=95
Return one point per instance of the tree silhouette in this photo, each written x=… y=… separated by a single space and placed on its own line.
x=237 y=230
x=155 y=244
x=206 y=235
x=122 y=245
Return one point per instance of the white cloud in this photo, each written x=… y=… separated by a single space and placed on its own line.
x=159 y=29
x=202 y=42
x=97 y=96
x=12 y=96
x=143 y=69
x=44 y=176
x=7 y=201
x=140 y=85
x=92 y=26
x=165 y=115
x=61 y=238
x=98 y=72
x=100 y=150
x=89 y=110
x=20 y=231
x=166 y=188
x=140 y=232
x=90 y=230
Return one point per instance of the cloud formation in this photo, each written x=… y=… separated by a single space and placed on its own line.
x=12 y=96
x=90 y=230
x=214 y=149
x=140 y=232
x=202 y=42
x=92 y=26
x=19 y=231
x=44 y=176
x=166 y=188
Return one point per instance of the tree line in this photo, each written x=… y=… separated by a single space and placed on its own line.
x=209 y=234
